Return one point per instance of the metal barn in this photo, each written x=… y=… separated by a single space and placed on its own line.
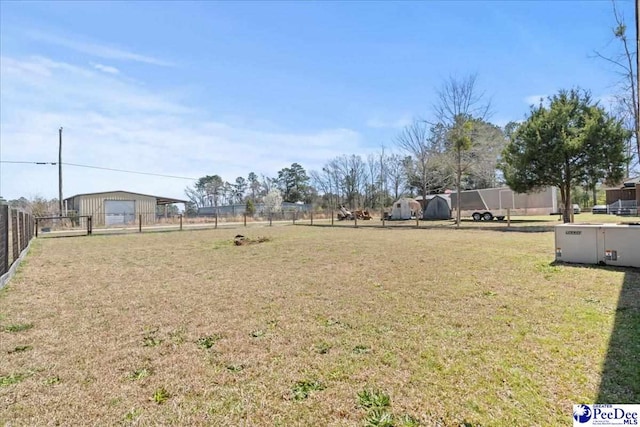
x=114 y=208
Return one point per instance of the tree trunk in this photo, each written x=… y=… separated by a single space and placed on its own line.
x=458 y=184
x=566 y=212
x=568 y=208
x=595 y=195
x=424 y=198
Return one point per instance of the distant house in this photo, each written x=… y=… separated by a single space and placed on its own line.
x=117 y=207
x=626 y=194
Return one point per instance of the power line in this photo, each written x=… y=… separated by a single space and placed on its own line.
x=101 y=168
x=31 y=163
x=129 y=171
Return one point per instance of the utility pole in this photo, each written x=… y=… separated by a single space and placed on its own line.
x=60 y=171
x=637 y=123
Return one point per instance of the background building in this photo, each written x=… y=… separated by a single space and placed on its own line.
x=117 y=207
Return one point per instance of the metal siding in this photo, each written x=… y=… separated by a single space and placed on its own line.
x=577 y=243
x=593 y=242
x=94 y=205
x=625 y=240
x=542 y=202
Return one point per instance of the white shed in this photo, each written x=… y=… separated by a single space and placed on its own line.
x=405 y=208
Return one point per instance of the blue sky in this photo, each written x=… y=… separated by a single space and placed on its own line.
x=227 y=88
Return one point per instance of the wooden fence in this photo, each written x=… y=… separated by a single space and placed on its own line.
x=16 y=231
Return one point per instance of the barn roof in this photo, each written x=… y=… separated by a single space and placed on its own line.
x=160 y=200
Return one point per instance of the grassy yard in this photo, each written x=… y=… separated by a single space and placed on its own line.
x=316 y=326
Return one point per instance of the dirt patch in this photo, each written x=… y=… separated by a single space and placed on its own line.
x=241 y=240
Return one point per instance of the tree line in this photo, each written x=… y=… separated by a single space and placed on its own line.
x=566 y=141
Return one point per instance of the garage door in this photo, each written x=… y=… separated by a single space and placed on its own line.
x=119 y=212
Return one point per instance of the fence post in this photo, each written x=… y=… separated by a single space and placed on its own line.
x=270 y=219
x=4 y=232
x=90 y=224
x=332 y=217
x=14 y=235
x=245 y=219
x=21 y=229
x=508 y=217
x=36 y=227
x=216 y=220
x=140 y=223
x=180 y=222
x=311 y=218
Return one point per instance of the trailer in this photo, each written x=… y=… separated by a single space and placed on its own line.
x=489 y=203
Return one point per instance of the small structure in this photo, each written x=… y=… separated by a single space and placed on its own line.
x=117 y=207
x=437 y=207
x=405 y=208
x=624 y=199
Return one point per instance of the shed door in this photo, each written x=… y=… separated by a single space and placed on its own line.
x=119 y=212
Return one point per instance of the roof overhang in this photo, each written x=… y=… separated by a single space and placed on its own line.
x=168 y=201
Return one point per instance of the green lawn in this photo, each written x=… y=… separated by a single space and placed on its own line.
x=315 y=326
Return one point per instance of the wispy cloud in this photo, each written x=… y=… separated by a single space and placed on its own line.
x=105 y=68
x=608 y=101
x=112 y=122
x=379 y=123
x=534 y=99
x=96 y=49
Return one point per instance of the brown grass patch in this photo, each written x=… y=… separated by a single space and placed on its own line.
x=241 y=240
x=182 y=328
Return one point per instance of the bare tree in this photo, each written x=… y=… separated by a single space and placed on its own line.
x=623 y=62
x=459 y=103
x=374 y=188
x=353 y=175
x=460 y=97
x=267 y=184
x=423 y=171
x=396 y=174
x=322 y=181
x=488 y=141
